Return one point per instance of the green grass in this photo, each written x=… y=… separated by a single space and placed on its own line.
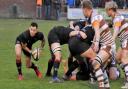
x=9 y=30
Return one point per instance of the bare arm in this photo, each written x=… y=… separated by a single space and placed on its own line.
x=24 y=46
x=75 y=33
x=96 y=26
x=71 y=25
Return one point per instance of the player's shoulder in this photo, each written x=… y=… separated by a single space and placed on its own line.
x=24 y=34
x=96 y=16
x=40 y=35
x=118 y=18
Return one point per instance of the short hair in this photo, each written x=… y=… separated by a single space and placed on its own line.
x=87 y=4
x=34 y=24
x=111 y=5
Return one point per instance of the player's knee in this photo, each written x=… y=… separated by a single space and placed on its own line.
x=18 y=57
x=57 y=56
x=56 y=48
x=58 y=60
x=97 y=62
x=28 y=65
x=124 y=60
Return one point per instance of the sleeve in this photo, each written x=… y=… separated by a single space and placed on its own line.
x=117 y=22
x=96 y=20
x=23 y=38
x=80 y=23
x=41 y=36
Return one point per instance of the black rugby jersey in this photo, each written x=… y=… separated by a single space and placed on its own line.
x=62 y=33
x=25 y=38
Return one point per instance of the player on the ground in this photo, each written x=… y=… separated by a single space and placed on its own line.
x=120 y=30
x=24 y=44
x=79 y=69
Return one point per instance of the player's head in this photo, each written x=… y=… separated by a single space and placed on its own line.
x=111 y=7
x=87 y=7
x=33 y=29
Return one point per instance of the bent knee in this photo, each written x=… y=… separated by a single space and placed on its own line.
x=96 y=64
x=18 y=57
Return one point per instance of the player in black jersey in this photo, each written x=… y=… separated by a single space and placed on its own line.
x=24 y=43
x=79 y=69
x=58 y=36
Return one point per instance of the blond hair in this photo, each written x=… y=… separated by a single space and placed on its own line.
x=111 y=5
x=87 y=4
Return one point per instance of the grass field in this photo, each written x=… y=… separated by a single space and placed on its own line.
x=9 y=29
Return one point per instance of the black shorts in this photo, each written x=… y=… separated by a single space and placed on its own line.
x=77 y=46
x=52 y=37
x=84 y=69
x=24 y=51
x=82 y=76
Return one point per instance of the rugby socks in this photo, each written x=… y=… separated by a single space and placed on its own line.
x=38 y=73
x=72 y=68
x=100 y=77
x=70 y=61
x=56 y=67
x=19 y=65
x=126 y=71
x=106 y=80
x=33 y=66
x=50 y=65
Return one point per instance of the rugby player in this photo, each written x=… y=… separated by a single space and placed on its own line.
x=112 y=70
x=120 y=27
x=24 y=43
x=79 y=69
x=103 y=38
x=58 y=36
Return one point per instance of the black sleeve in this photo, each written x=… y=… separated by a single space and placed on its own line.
x=41 y=36
x=23 y=38
x=80 y=23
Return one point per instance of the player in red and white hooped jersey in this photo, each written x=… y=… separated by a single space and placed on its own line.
x=120 y=30
x=102 y=42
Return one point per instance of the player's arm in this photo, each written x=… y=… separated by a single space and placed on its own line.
x=42 y=39
x=42 y=43
x=74 y=25
x=71 y=24
x=77 y=25
x=78 y=33
x=96 y=26
x=24 y=46
x=116 y=27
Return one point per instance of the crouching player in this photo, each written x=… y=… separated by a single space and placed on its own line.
x=59 y=36
x=24 y=43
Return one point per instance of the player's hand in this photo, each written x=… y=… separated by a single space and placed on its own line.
x=76 y=28
x=36 y=54
x=83 y=35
